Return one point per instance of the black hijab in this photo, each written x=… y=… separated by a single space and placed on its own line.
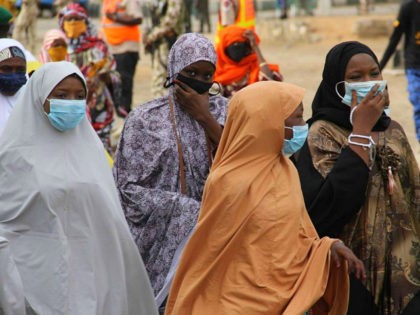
x=327 y=104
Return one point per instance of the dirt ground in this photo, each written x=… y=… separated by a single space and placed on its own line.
x=301 y=62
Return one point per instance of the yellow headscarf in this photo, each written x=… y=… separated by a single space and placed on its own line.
x=255 y=250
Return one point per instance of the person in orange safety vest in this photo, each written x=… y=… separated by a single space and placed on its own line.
x=120 y=27
x=238 y=12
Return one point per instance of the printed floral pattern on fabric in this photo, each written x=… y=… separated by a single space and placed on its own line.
x=98 y=66
x=391 y=255
x=147 y=166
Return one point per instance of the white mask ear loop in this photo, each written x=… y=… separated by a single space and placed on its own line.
x=336 y=89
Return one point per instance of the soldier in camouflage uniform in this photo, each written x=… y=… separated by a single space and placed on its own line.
x=166 y=25
x=25 y=24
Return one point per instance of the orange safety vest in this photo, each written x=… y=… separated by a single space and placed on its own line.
x=116 y=33
x=245 y=17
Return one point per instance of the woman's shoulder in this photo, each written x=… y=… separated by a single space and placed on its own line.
x=153 y=110
x=324 y=127
x=155 y=105
x=396 y=131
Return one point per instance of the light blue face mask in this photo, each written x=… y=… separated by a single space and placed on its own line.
x=66 y=114
x=300 y=133
x=361 y=88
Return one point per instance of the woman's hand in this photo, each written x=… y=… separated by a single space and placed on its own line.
x=339 y=251
x=197 y=106
x=249 y=35
x=369 y=110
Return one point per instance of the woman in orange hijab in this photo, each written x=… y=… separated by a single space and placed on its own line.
x=254 y=249
x=240 y=61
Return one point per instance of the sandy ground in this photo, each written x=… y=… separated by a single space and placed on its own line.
x=301 y=61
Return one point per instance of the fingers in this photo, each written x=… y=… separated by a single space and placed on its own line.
x=356 y=266
x=353 y=99
x=183 y=86
x=360 y=270
x=373 y=91
x=247 y=33
x=336 y=259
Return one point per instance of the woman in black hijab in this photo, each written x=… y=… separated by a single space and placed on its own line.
x=361 y=182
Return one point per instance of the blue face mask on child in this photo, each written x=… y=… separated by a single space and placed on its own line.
x=361 y=88
x=66 y=114
x=300 y=133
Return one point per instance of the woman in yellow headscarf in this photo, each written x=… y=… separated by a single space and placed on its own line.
x=254 y=249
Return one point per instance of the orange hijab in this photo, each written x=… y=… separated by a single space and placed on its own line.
x=229 y=71
x=255 y=250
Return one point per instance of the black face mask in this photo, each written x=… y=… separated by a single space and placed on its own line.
x=199 y=86
x=238 y=51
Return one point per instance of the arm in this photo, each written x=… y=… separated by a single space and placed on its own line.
x=331 y=199
x=130 y=15
x=264 y=68
x=395 y=38
x=124 y=19
x=167 y=22
x=228 y=11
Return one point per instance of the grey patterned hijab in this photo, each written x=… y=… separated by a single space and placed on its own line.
x=190 y=48
x=146 y=167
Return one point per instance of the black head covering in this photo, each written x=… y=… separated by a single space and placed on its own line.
x=327 y=104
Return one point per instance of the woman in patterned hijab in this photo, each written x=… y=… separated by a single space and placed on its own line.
x=91 y=55
x=164 y=155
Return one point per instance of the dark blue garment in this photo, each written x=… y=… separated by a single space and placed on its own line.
x=413 y=87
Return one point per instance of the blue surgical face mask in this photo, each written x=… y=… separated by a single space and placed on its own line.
x=361 y=88
x=10 y=83
x=300 y=133
x=66 y=114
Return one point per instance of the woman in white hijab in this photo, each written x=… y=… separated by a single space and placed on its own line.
x=61 y=224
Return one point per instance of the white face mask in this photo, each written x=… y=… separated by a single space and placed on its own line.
x=361 y=88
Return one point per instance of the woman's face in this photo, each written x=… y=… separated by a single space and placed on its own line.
x=295 y=119
x=12 y=65
x=74 y=26
x=70 y=88
x=200 y=70
x=362 y=67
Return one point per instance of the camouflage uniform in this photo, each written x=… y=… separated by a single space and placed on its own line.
x=166 y=26
x=25 y=25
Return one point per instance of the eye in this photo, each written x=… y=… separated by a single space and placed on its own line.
x=81 y=96
x=354 y=77
x=60 y=96
x=6 y=69
x=208 y=76
x=191 y=73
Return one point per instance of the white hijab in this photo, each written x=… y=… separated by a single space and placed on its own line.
x=7 y=102
x=61 y=215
